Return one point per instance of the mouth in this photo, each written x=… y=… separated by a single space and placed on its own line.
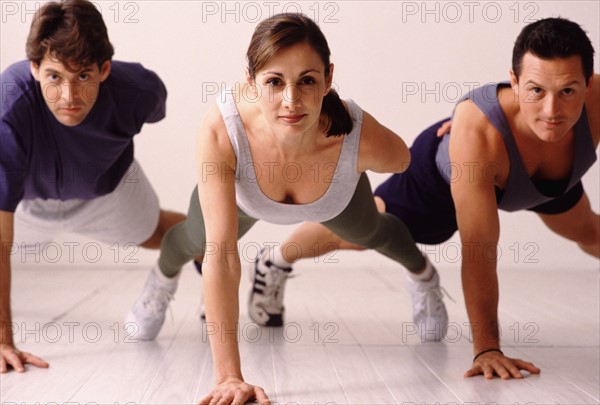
x=292 y=119
x=70 y=110
x=552 y=123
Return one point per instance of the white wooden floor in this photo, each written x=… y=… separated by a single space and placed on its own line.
x=348 y=340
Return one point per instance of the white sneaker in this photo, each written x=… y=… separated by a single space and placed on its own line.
x=198 y=267
x=148 y=312
x=429 y=311
x=265 y=304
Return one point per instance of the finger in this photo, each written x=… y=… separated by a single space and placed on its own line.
x=473 y=371
x=261 y=396
x=502 y=372
x=215 y=399
x=3 y=368
x=206 y=400
x=225 y=400
x=488 y=372
x=240 y=399
x=34 y=360
x=13 y=360
x=527 y=366
x=513 y=371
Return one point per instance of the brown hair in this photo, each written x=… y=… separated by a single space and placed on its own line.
x=72 y=32
x=284 y=30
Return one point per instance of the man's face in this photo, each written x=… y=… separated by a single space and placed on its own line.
x=551 y=94
x=70 y=96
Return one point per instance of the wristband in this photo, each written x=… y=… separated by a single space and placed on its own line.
x=487 y=351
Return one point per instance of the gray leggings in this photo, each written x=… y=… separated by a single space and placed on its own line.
x=360 y=223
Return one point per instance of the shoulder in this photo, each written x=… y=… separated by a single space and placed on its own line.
x=473 y=136
x=592 y=105
x=15 y=83
x=380 y=149
x=213 y=140
x=133 y=74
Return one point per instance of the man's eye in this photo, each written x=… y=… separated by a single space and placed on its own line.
x=568 y=91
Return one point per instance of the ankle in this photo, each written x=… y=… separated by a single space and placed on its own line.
x=425 y=274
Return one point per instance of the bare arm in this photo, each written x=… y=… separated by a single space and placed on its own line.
x=10 y=356
x=381 y=150
x=221 y=272
x=472 y=151
x=6 y=241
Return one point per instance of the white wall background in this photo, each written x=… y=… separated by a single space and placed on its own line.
x=405 y=62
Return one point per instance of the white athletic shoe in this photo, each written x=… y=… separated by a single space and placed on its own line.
x=148 y=312
x=265 y=304
x=429 y=311
x=198 y=267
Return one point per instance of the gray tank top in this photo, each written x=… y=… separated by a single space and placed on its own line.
x=521 y=191
x=251 y=199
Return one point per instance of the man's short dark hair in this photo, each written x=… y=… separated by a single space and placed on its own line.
x=553 y=38
x=72 y=32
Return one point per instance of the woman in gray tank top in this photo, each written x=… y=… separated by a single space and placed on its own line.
x=283 y=148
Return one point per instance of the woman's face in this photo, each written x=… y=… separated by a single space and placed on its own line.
x=290 y=89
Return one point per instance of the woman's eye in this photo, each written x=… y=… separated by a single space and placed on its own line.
x=307 y=80
x=274 y=82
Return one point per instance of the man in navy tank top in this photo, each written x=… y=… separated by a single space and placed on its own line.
x=68 y=117
x=518 y=145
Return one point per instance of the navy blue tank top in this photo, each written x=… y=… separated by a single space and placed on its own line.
x=521 y=192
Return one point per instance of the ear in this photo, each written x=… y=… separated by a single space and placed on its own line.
x=514 y=80
x=35 y=70
x=329 y=79
x=105 y=70
x=249 y=79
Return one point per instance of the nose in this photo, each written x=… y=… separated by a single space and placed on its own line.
x=68 y=92
x=550 y=106
x=291 y=96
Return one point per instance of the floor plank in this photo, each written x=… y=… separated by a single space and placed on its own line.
x=345 y=341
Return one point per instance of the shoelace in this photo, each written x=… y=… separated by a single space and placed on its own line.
x=273 y=292
x=436 y=295
x=273 y=289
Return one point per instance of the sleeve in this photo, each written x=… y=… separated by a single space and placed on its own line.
x=13 y=125
x=154 y=100
x=13 y=167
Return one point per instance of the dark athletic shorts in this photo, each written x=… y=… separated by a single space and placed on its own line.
x=421 y=197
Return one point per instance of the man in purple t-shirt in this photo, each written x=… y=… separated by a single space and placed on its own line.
x=68 y=115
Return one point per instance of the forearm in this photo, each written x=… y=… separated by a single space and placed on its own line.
x=480 y=286
x=6 y=242
x=220 y=283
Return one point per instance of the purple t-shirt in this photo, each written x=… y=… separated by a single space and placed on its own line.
x=41 y=158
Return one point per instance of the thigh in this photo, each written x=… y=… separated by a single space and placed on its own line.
x=36 y=222
x=194 y=224
x=127 y=215
x=360 y=216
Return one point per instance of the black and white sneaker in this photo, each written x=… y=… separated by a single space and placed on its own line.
x=265 y=305
x=198 y=267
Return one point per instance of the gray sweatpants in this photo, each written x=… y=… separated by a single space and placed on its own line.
x=360 y=223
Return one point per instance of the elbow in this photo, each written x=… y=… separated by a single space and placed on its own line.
x=404 y=162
